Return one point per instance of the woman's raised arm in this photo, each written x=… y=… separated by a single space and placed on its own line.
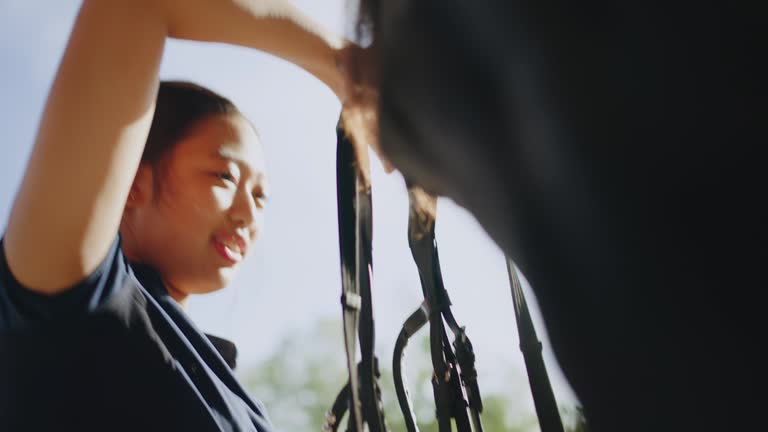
x=99 y=110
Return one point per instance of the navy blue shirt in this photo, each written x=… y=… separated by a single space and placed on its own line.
x=114 y=352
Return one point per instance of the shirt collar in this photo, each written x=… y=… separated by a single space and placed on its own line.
x=153 y=283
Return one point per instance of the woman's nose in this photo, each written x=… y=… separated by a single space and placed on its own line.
x=245 y=211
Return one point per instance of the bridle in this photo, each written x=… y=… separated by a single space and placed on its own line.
x=361 y=395
x=454 y=381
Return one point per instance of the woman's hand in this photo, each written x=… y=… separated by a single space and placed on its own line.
x=279 y=28
x=359 y=96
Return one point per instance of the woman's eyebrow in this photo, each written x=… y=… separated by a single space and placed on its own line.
x=230 y=155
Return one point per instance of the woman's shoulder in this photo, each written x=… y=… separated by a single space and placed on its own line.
x=21 y=306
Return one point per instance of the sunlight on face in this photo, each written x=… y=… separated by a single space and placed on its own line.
x=208 y=209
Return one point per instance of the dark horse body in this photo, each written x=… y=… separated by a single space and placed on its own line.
x=610 y=149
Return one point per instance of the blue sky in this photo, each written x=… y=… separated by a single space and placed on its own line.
x=291 y=280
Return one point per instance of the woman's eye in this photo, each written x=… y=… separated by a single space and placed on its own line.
x=225 y=176
x=259 y=198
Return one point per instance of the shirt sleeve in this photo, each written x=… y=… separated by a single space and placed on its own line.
x=20 y=307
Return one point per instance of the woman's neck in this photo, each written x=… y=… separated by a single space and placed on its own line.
x=178 y=295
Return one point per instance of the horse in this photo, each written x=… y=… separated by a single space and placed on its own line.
x=610 y=149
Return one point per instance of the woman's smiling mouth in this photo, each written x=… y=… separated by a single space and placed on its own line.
x=230 y=247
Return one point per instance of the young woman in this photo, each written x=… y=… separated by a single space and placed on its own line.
x=137 y=195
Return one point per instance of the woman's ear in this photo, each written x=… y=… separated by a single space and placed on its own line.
x=141 y=189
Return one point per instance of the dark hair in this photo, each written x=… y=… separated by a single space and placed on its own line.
x=180 y=107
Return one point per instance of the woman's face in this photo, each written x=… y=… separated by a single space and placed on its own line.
x=203 y=210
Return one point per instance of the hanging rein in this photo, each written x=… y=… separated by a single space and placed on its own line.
x=454 y=378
